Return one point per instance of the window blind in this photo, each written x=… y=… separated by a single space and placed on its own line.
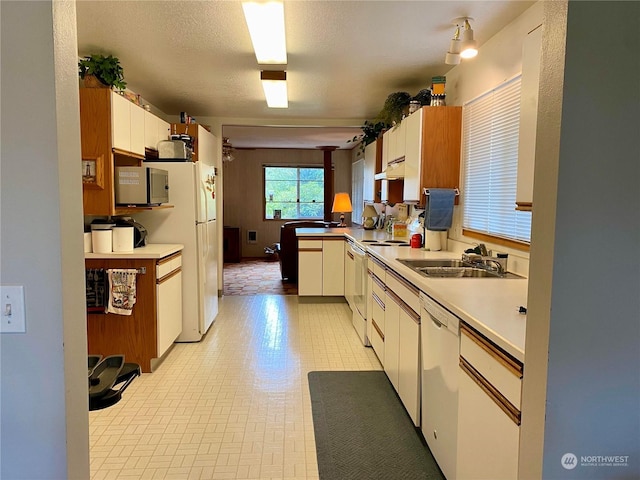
x=490 y=138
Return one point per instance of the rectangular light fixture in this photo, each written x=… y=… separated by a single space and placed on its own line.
x=274 y=84
x=265 y=21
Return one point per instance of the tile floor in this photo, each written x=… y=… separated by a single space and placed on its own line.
x=234 y=406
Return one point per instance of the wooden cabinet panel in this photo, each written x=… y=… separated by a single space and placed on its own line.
x=441 y=141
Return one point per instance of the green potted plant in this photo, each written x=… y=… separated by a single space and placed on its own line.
x=394 y=107
x=370 y=133
x=106 y=70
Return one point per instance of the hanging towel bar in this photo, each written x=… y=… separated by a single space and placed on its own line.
x=426 y=191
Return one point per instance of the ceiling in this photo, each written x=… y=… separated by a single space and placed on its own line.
x=344 y=59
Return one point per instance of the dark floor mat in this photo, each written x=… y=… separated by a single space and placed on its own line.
x=362 y=431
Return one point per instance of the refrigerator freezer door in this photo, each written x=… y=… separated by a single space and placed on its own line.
x=206 y=182
x=208 y=274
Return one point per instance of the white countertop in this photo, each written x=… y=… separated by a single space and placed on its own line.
x=490 y=305
x=152 y=251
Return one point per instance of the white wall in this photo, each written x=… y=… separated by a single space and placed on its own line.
x=243 y=189
x=499 y=59
x=582 y=364
x=44 y=400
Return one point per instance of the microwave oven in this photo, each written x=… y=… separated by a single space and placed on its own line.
x=141 y=186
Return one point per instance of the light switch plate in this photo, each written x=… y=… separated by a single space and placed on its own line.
x=12 y=314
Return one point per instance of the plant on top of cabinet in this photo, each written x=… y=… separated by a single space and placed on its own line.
x=106 y=69
x=370 y=133
x=394 y=107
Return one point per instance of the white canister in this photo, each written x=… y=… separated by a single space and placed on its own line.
x=123 y=239
x=101 y=241
x=432 y=241
x=87 y=242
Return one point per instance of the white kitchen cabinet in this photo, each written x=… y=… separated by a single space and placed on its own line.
x=309 y=267
x=321 y=267
x=127 y=125
x=409 y=363
x=349 y=275
x=369 y=193
x=489 y=385
x=169 y=308
x=377 y=321
x=333 y=267
x=155 y=130
x=531 y=51
x=402 y=341
x=392 y=338
x=412 y=157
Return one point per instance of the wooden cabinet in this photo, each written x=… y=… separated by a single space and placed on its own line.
x=112 y=134
x=156 y=319
x=531 y=51
x=204 y=142
x=489 y=398
x=321 y=266
x=441 y=141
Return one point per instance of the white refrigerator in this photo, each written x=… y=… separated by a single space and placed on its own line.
x=192 y=222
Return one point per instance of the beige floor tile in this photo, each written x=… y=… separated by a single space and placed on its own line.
x=235 y=405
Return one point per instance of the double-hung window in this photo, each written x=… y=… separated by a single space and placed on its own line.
x=293 y=192
x=490 y=143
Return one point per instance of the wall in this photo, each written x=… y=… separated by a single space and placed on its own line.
x=243 y=189
x=583 y=330
x=44 y=414
x=498 y=60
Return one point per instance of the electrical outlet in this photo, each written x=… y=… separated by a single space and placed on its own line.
x=12 y=315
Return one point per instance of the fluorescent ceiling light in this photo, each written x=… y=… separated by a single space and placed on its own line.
x=275 y=88
x=265 y=21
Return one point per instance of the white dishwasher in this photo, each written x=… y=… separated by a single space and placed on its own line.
x=440 y=337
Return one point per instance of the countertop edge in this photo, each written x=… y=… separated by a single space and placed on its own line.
x=151 y=251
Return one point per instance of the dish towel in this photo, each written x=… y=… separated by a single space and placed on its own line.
x=440 y=208
x=122 y=290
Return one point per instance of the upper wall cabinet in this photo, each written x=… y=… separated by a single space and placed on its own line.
x=204 y=142
x=432 y=150
x=155 y=130
x=112 y=134
x=531 y=50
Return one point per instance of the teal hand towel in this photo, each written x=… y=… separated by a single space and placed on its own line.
x=440 y=208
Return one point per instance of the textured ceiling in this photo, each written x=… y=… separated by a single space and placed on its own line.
x=344 y=57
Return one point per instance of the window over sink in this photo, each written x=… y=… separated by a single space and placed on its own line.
x=490 y=143
x=293 y=192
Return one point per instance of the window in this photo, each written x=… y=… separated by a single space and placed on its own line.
x=293 y=193
x=490 y=142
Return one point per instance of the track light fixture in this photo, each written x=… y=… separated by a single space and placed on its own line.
x=465 y=47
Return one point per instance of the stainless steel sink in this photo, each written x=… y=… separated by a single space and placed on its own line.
x=433 y=263
x=452 y=268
